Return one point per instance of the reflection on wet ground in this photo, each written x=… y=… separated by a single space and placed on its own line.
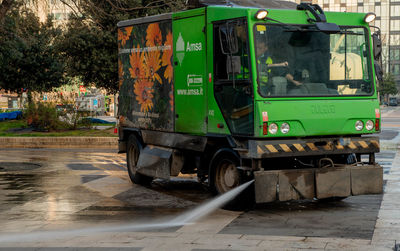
x=353 y=217
x=49 y=189
x=64 y=189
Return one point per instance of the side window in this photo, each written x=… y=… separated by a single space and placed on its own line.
x=231 y=50
x=232 y=86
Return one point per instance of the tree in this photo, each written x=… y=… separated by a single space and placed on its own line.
x=90 y=43
x=27 y=55
x=388 y=86
x=5 y=6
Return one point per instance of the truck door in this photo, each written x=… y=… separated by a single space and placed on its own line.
x=232 y=75
x=190 y=73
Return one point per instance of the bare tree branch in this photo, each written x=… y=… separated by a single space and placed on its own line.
x=65 y=2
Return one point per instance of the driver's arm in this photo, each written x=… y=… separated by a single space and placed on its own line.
x=283 y=64
x=291 y=79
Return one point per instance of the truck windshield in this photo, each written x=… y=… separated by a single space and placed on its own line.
x=301 y=61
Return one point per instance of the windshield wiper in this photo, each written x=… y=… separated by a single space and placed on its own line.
x=296 y=28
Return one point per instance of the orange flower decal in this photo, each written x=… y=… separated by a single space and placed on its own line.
x=136 y=60
x=153 y=64
x=153 y=37
x=171 y=99
x=124 y=34
x=144 y=94
x=167 y=58
x=120 y=73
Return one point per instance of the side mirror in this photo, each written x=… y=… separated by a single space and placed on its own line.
x=376 y=40
x=378 y=71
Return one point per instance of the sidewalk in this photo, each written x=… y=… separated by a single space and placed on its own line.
x=60 y=142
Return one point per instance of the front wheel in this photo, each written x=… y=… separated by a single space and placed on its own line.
x=227 y=177
x=133 y=150
x=226 y=174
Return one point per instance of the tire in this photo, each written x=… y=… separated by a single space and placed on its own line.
x=133 y=150
x=226 y=177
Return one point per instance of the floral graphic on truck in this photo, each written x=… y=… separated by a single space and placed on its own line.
x=167 y=58
x=144 y=94
x=124 y=35
x=146 y=75
x=152 y=64
x=136 y=60
x=153 y=37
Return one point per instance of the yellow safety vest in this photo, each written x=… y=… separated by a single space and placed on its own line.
x=264 y=78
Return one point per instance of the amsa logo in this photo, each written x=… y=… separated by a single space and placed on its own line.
x=194 y=47
x=181 y=48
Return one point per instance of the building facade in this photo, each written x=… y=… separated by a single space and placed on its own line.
x=59 y=9
x=388 y=20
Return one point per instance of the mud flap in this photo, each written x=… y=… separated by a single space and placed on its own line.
x=265 y=186
x=284 y=185
x=332 y=182
x=367 y=180
x=322 y=183
x=155 y=162
x=296 y=184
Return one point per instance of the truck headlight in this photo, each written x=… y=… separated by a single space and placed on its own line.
x=369 y=17
x=261 y=14
x=273 y=128
x=285 y=128
x=359 y=125
x=369 y=125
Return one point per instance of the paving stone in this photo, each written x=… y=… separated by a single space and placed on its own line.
x=214 y=222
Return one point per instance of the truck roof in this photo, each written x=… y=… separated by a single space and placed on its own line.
x=270 y=4
x=142 y=20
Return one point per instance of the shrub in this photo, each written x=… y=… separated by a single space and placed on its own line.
x=43 y=117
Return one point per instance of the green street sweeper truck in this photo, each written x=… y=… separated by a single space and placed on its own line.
x=278 y=92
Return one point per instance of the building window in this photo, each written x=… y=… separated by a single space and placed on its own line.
x=394 y=54
x=396 y=69
x=378 y=10
x=394 y=10
x=395 y=25
x=395 y=39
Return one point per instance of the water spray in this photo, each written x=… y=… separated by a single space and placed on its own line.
x=186 y=218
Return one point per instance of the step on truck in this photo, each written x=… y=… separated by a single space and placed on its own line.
x=281 y=93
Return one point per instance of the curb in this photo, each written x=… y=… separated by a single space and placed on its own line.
x=59 y=142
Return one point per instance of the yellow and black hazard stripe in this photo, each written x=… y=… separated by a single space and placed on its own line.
x=313 y=147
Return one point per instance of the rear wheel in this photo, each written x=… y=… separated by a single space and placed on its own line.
x=132 y=156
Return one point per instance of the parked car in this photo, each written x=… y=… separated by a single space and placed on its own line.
x=392 y=101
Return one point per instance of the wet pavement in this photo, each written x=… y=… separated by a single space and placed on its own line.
x=46 y=190
x=61 y=189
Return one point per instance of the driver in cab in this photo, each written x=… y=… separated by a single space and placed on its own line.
x=266 y=67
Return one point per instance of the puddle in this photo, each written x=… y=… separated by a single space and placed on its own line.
x=18 y=166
